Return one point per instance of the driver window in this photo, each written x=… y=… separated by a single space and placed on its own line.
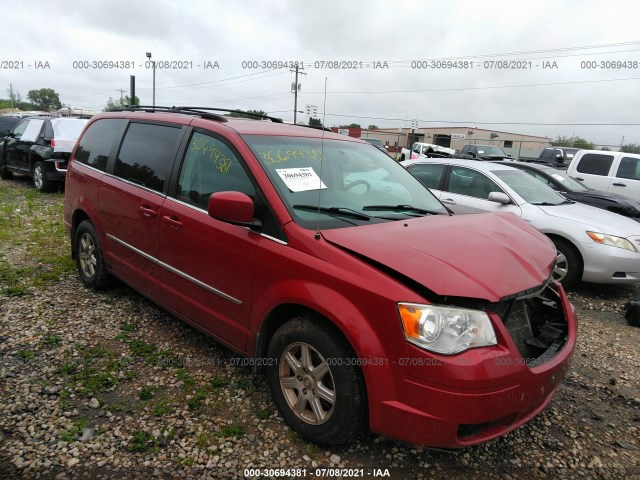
x=210 y=166
x=471 y=182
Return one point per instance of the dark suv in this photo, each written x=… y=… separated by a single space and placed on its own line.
x=557 y=157
x=40 y=147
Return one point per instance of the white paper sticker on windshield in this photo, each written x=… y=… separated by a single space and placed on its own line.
x=300 y=179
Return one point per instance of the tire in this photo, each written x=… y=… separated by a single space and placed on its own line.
x=39 y=176
x=337 y=391
x=89 y=259
x=568 y=263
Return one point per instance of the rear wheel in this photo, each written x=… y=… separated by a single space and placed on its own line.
x=40 y=181
x=568 y=266
x=89 y=259
x=315 y=383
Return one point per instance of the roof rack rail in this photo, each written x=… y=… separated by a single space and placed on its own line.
x=158 y=108
x=195 y=109
x=202 y=111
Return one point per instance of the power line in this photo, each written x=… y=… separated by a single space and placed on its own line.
x=482 y=88
x=472 y=122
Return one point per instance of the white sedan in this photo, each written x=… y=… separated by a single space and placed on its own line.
x=593 y=245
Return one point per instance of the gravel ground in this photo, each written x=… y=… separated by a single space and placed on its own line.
x=107 y=385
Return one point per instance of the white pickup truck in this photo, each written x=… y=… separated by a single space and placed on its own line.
x=615 y=172
x=425 y=150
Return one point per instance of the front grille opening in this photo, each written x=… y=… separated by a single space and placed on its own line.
x=619 y=275
x=537 y=325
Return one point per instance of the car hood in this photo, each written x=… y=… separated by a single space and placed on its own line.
x=593 y=217
x=630 y=206
x=486 y=256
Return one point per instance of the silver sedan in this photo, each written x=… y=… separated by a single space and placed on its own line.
x=593 y=245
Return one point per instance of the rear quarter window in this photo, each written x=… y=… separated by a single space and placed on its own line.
x=97 y=142
x=595 y=164
x=147 y=154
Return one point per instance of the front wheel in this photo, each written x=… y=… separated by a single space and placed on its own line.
x=568 y=266
x=315 y=381
x=39 y=176
x=89 y=259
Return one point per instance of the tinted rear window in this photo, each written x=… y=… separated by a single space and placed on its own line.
x=96 y=143
x=595 y=164
x=147 y=154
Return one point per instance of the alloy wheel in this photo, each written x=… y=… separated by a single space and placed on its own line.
x=87 y=255
x=307 y=383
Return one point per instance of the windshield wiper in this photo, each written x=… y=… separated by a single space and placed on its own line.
x=546 y=204
x=401 y=208
x=345 y=212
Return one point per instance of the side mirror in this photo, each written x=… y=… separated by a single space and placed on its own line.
x=232 y=207
x=499 y=197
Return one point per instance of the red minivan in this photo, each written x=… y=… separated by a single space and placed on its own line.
x=365 y=301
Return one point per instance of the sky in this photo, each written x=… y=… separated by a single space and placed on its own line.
x=545 y=68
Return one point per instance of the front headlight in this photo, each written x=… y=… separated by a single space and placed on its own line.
x=612 y=241
x=446 y=330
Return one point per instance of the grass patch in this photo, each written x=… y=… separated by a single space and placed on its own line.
x=233 y=430
x=74 y=432
x=162 y=408
x=218 y=382
x=32 y=223
x=143 y=442
x=147 y=393
x=128 y=327
x=95 y=370
x=196 y=403
x=203 y=440
x=188 y=382
x=263 y=414
x=51 y=340
x=26 y=354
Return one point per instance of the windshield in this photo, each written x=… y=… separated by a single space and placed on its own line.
x=488 y=150
x=352 y=183
x=531 y=190
x=571 y=184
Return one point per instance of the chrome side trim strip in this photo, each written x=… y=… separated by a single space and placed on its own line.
x=175 y=270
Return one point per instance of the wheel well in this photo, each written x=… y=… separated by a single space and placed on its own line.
x=79 y=216
x=569 y=244
x=277 y=317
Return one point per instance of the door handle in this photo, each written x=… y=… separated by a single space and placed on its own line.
x=448 y=200
x=620 y=184
x=172 y=221
x=581 y=179
x=148 y=211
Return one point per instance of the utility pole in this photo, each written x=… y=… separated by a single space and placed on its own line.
x=11 y=95
x=295 y=87
x=121 y=92
x=622 y=143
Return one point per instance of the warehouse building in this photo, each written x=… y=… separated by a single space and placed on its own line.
x=515 y=144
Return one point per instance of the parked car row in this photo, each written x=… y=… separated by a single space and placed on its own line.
x=367 y=303
x=594 y=245
x=38 y=146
